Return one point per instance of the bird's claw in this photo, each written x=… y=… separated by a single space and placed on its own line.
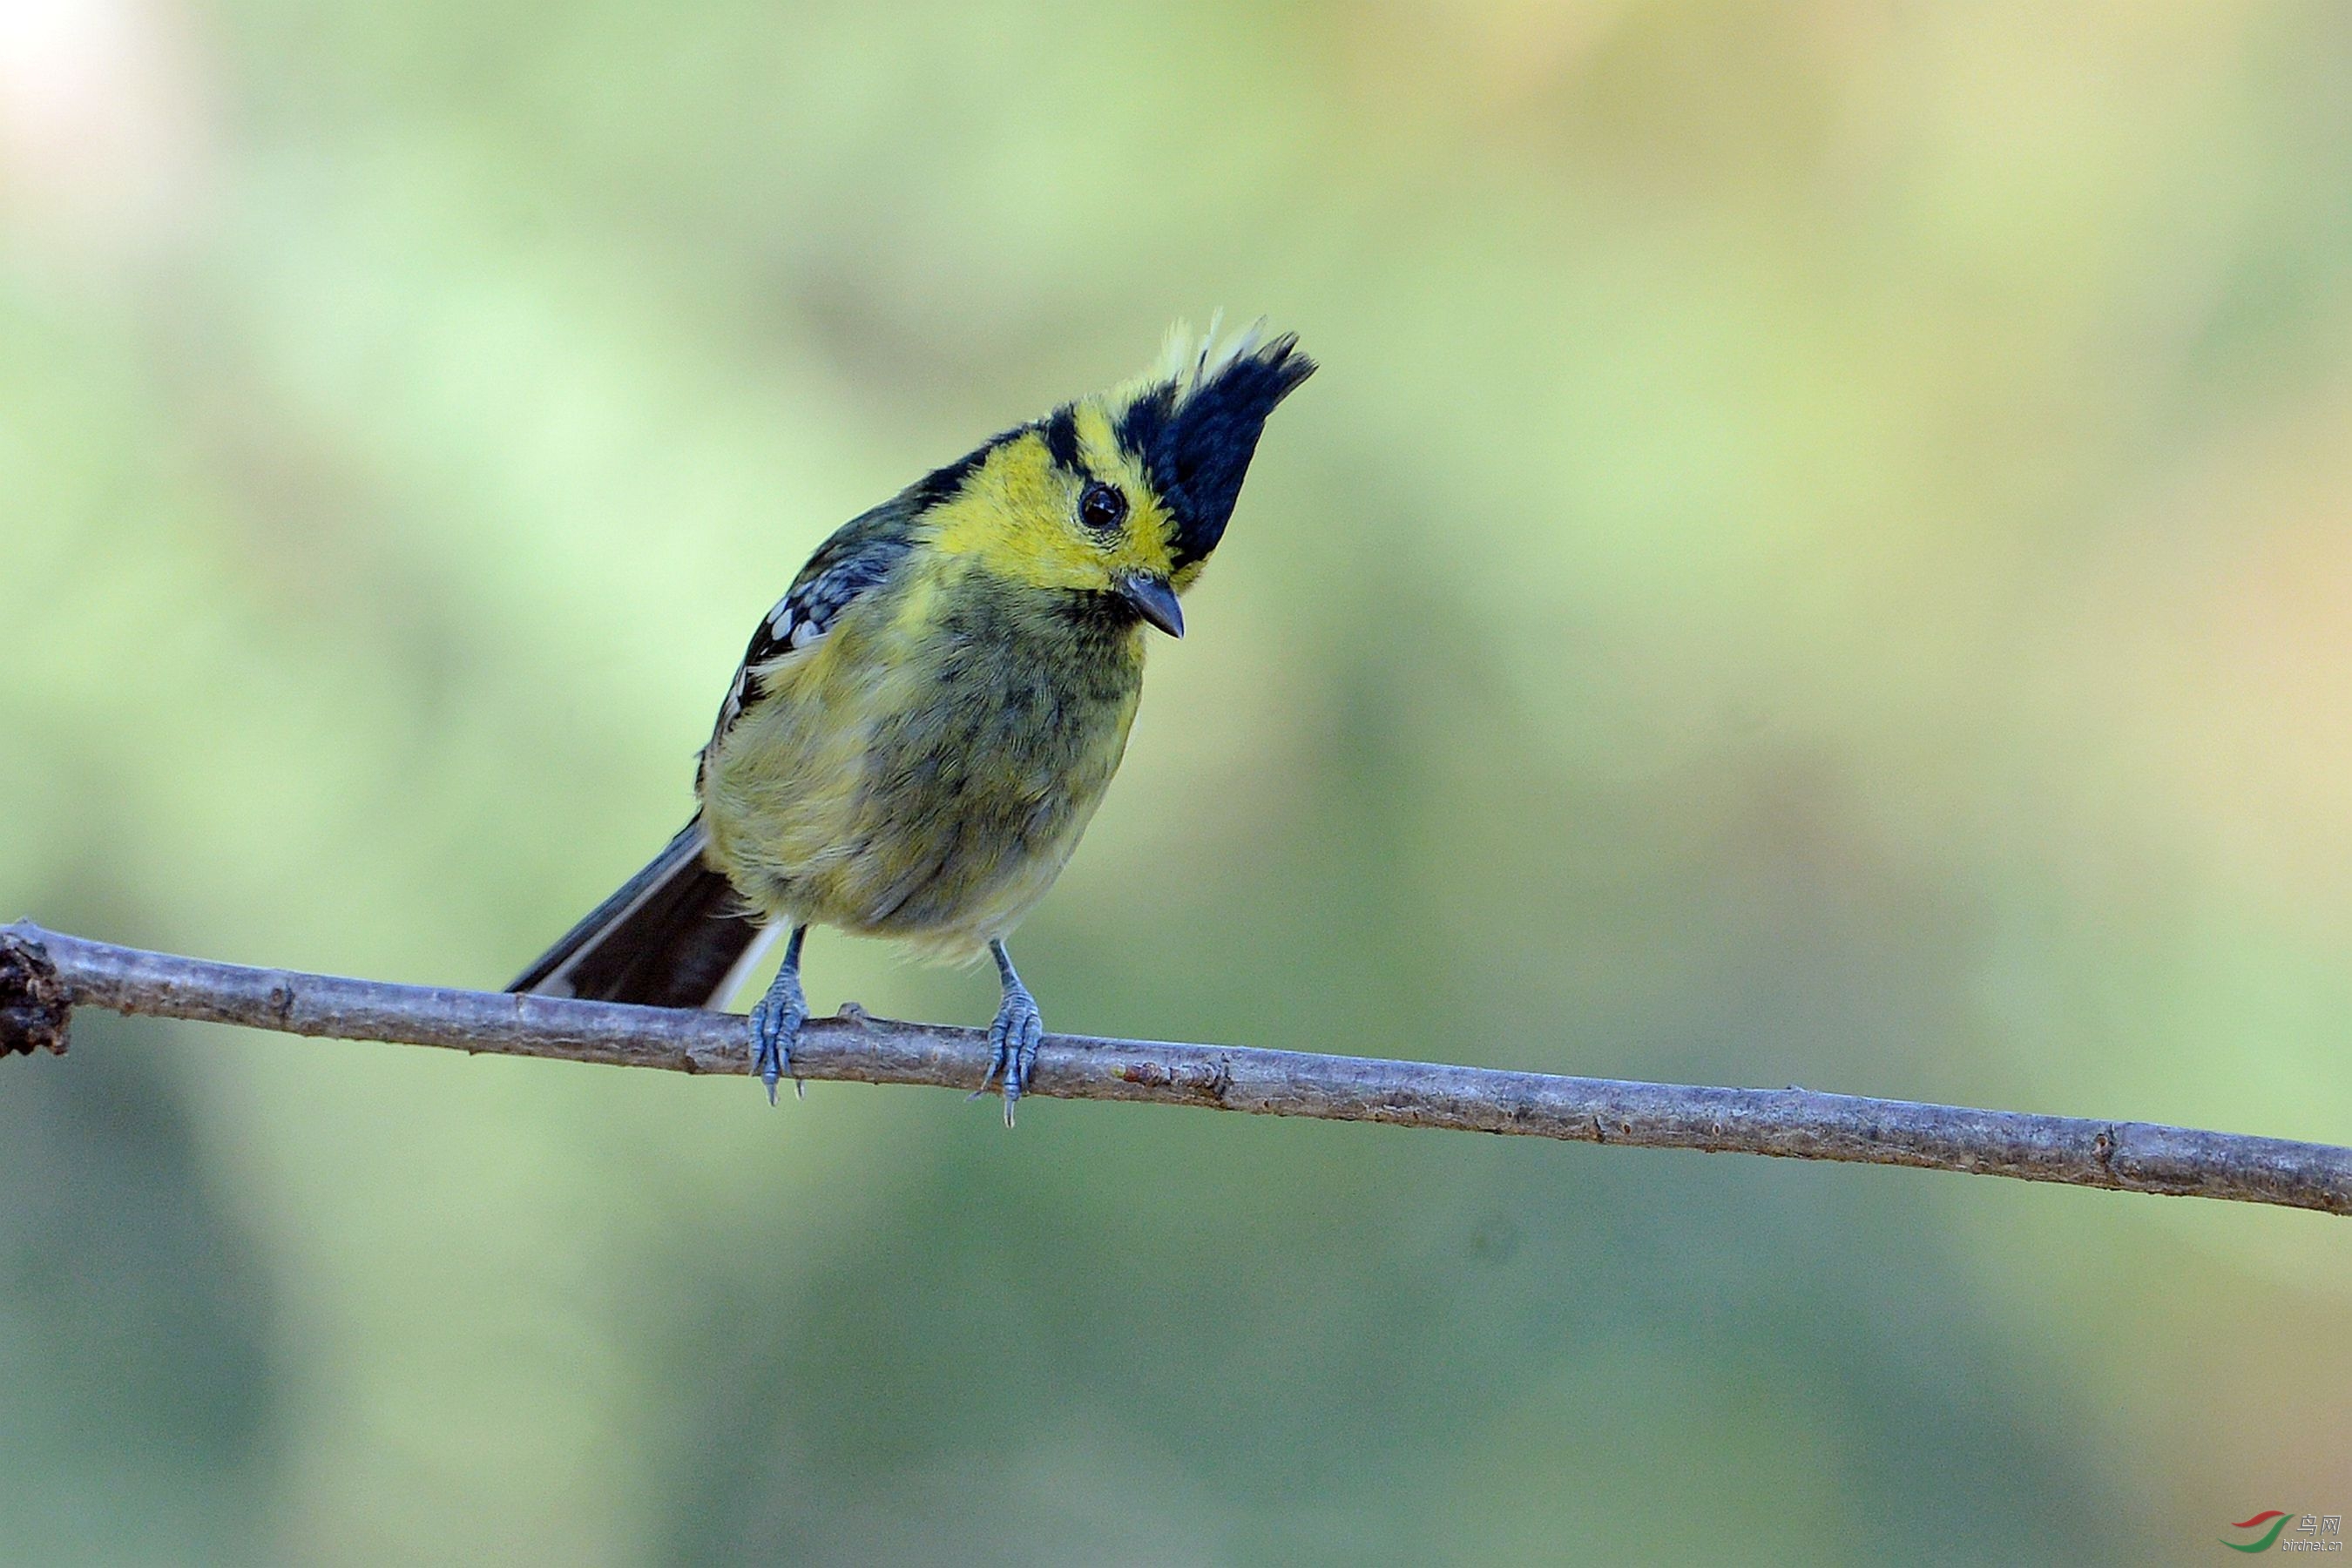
x=1014 y=1038
x=776 y=1020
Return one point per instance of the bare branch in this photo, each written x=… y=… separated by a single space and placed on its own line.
x=43 y=975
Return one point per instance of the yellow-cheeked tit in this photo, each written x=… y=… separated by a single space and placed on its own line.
x=924 y=724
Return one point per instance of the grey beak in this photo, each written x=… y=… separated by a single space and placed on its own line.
x=1156 y=601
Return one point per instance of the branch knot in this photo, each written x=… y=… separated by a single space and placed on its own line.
x=35 y=1005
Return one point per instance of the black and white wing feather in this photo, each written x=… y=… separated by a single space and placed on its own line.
x=860 y=556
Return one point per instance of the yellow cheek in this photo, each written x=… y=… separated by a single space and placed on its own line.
x=1018 y=517
x=1150 y=538
x=1009 y=519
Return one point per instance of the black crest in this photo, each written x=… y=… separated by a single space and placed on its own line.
x=1195 y=435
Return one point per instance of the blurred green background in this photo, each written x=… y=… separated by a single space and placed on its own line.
x=1818 y=556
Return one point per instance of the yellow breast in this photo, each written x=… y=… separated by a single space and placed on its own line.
x=924 y=771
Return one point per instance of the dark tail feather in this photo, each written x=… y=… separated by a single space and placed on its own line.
x=674 y=936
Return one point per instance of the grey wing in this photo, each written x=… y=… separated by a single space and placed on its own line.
x=860 y=556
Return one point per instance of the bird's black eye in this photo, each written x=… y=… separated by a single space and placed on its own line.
x=1102 y=506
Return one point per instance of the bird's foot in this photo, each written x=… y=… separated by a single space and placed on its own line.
x=776 y=1020
x=1013 y=1037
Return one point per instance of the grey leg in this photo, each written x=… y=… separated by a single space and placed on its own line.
x=776 y=1020
x=1014 y=1034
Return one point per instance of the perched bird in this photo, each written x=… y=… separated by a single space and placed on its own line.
x=924 y=724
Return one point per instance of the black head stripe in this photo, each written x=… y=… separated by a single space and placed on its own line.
x=1060 y=430
x=1197 y=449
x=1145 y=423
x=941 y=484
